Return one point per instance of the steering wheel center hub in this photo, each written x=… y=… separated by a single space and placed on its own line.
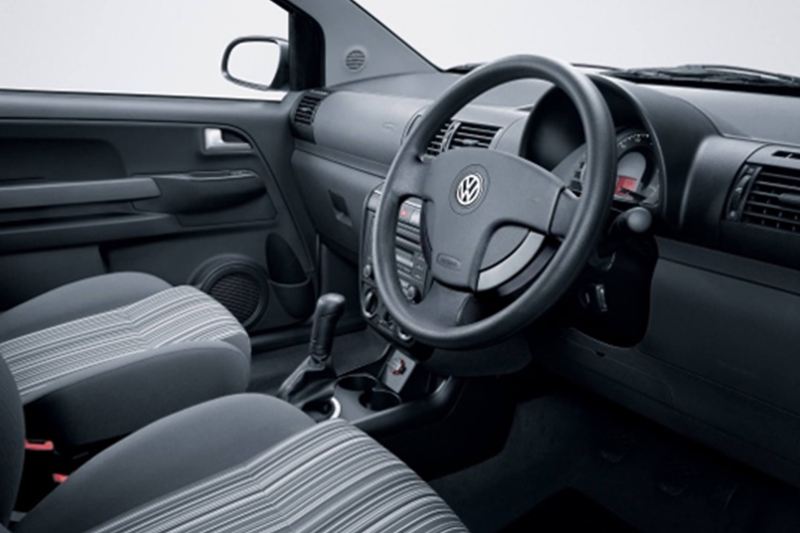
x=469 y=189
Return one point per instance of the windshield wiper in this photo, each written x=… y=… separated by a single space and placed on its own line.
x=701 y=74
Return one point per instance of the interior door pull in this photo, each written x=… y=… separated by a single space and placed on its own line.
x=214 y=143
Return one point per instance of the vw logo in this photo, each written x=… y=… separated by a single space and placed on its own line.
x=469 y=189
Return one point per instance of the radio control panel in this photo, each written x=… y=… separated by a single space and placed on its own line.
x=412 y=267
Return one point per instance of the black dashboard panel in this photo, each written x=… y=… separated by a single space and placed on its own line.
x=718 y=299
x=370 y=126
x=700 y=138
x=700 y=141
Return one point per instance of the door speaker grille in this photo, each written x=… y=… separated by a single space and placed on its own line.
x=238 y=292
x=239 y=284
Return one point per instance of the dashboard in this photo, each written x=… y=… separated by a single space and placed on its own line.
x=693 y=322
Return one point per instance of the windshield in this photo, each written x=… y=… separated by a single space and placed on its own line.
x=614 y=33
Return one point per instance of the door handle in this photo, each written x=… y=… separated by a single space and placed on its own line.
x=214 y=143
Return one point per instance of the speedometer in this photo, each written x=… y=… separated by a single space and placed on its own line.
x=635 y=166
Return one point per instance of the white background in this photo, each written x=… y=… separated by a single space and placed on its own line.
x=128 y=46
x=175 y=46
x=624 y=33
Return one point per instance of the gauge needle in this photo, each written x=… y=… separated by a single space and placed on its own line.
x=633 y=194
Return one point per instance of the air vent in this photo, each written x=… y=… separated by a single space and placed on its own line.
x=461 y=135
x=785 y=154
x=307 y=108
x=437 y=144
x=469 y=134
x=355 y=59
x=773 y=200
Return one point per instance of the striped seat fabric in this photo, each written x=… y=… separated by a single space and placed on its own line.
x=176 y=315
x=329 y=478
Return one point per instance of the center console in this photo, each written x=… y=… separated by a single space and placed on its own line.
x=419 y=414
x=412 y=268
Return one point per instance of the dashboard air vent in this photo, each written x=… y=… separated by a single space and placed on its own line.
x=461 y=135
x=773 y=200
x=437 y=145
x=469 y=134
x=307 y=108
x=786 y=154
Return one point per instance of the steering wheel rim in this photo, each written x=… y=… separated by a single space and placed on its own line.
x=509 y=185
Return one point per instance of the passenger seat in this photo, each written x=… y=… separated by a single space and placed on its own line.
x=99 y=358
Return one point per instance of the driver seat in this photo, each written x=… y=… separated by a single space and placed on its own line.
x=240 y=463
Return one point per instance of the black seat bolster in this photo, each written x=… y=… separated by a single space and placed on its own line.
x=116 y=399
x=167 y=455
x=12 y=446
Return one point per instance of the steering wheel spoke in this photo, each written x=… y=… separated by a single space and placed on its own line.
x=563 y=214
x=456 y=256
x=410 y=177
x=447 y=307
x=531 y=196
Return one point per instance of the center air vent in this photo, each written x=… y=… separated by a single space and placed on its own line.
x=468 y=134
x=437 y=144
x=462 y=135
x=773 y=199
x=307 y=108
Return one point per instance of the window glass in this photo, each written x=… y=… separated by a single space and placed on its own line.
x=163 y=47
x=619 y=33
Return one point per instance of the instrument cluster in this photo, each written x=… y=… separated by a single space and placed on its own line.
x=637 y=180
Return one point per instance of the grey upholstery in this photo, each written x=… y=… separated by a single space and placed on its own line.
x=102 y=357
x=243 y=463
x=166 y=456
x=78 y=299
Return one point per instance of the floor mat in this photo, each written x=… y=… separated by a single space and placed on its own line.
x=569 y=510
x=649 y=477
x=350 y=351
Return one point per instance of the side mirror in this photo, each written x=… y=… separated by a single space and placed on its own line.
x=260 y=63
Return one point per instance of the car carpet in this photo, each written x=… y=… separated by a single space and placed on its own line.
x=620 y=465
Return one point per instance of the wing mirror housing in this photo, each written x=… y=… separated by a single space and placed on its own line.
x=257 y=62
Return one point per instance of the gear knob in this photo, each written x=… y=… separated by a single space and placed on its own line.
x=330 y=308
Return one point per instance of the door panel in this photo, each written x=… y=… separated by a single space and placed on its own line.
x=190 y=190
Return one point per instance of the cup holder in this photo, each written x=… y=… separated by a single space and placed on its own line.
x=370 y=393
x=357 y=382
x=378 y=400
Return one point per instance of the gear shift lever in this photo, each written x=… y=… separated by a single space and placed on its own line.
x=315 y=376
x=329 y=310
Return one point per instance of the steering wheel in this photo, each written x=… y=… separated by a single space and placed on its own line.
x=469 y=193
